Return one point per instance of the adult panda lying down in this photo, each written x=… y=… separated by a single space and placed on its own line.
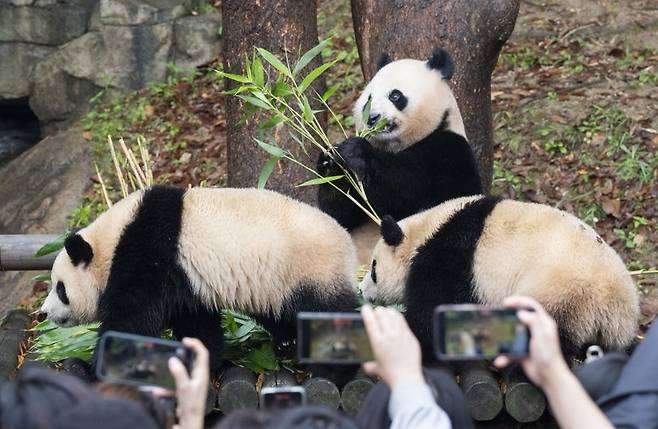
x=482 y=249
x=173 y=258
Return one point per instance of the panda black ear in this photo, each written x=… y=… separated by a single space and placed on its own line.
x=391 y=231
x=441 y=61
x=383 y=60
x=78 y=249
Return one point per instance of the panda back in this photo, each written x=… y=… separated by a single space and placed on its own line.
x=248 y=249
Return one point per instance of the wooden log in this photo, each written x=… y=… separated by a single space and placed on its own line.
x=481 y=391
x=17 y=252
x=12 y=334
x=279 y=379
x=354 y=393
x=523 y=401
x=237 y=390
x=320 y=391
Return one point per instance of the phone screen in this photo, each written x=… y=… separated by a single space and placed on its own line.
x=479 y=332
x=279 y=398
x=332 y=338
x=138 y=360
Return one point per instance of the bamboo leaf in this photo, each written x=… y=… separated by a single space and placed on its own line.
x=41 y=278
x=329 y=92
x=258 y=72
x=261 y=96
x=54 y=246
x=272 y=122
x=254 y=101
x=308 y=112
x=281 y=89
x=271 y=149
x=320 y=180
x=365 y=115
x=266 y=172
x=314 y=74
x=262 y=359
x=234 y=77
x=309 y=55
x=274 y=61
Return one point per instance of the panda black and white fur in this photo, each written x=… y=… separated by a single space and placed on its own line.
x=173 y=258
x=419 y=160
x=482 y=249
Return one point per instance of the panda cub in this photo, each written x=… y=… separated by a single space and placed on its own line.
x=174 y=258
x=419 y=160
x=482 y=249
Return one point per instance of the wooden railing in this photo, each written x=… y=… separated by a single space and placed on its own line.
x=17 y=252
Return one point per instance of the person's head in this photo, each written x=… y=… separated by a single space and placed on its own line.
x=37 y=396
x=312 y=417
x=148 y=402
x=245 y=419
x=104 y=413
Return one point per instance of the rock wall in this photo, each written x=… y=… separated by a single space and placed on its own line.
x=38 y=190
x=61 y=53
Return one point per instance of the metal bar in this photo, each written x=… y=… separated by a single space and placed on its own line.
x=17 y=252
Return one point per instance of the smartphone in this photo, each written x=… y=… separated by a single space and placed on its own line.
x=474 y=332
x=332 y=338
x=138 y=360
x=280 y=398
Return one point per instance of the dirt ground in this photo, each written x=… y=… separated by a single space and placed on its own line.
x=575 y=97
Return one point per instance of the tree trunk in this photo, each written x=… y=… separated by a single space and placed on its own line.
x=282 y=27
x=473 y=31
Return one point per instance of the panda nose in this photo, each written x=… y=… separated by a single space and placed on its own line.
x=372 y=119
x=42 y=316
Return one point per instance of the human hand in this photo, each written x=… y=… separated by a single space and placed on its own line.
x=191 y=388
x=395 y=348
x=545 y=359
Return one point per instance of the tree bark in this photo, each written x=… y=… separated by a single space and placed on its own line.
x=473 y=31
x=282 y=27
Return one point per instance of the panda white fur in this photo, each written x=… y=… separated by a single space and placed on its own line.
x=173 y=258
x=483 y=249
x=419 y=160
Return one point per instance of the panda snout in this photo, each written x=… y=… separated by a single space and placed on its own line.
x=41 y=316
x=373 y=118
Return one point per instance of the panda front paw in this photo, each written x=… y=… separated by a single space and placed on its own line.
x=353 y=151
x=327 y=166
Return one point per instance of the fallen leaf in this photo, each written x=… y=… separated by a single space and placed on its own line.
x=638 y=240
x=611 y=206
x=87 y=135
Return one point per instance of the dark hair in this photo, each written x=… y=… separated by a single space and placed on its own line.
x=105 y=414
x=37 y=396
x=148 y=402
x=312 y=417
x=245 y=419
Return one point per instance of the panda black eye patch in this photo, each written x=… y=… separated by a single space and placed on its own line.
x=373 y=273
x=398 y=99
x=61 y=293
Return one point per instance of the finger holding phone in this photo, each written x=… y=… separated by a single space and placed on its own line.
x=545 y=357
x=192 y=386
x=546 y=367
x=395 y=348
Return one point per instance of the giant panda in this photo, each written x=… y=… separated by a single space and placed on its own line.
x=173 y=258
x=482 y=249
x=419 y=160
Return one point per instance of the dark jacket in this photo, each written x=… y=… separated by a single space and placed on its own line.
x=633 y=402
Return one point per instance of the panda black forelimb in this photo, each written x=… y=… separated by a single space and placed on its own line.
x=438 y=168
